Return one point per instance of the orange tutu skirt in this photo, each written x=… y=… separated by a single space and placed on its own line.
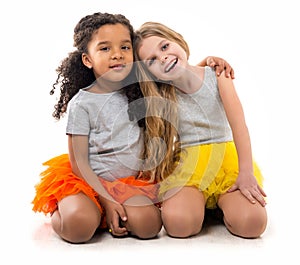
x=58 y=181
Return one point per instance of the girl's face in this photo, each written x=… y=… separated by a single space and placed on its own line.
x=165 y=59
x=110 y=53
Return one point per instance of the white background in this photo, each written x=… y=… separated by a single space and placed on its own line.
x=260 y=39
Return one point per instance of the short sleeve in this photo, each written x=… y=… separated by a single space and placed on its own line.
x=78 y=119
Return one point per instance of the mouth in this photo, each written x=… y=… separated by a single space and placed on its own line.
x=117 y=67
x=171 y=65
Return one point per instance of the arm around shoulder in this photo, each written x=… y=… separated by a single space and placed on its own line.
x=219 y=64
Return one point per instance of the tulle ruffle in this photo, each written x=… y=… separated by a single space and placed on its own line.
x=58 y=181
x=212 y=168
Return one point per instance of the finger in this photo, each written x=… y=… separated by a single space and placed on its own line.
x=120 y=232
x=122 y=214
x=258 y=196
x=232 y=74
x=262 y=191
x=210 y=62
x=248 y=195
x=222 y=65
x=118 y=216
x=233 y=188
x=228 y=71
x=117 y=231
x=262 y=201
x=220 y=68
x=123 y=217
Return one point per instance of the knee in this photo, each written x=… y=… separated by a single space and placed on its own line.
x=145 y=223
x=75 y=227
x=254 y=226
x=182 y=224
x=247 y=225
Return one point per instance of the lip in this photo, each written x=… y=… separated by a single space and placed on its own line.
x=117 y=66
x=171 y=65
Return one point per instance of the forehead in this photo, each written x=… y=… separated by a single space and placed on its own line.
x=111 y=32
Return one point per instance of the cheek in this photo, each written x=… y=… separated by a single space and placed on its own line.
x=129 y=58
x=156 y=71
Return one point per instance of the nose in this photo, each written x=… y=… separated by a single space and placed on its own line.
x=163 y=59
x=117 y=54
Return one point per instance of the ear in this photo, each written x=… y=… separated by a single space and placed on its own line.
x=86 y=60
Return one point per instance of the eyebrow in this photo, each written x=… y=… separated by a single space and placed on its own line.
x=107 y=42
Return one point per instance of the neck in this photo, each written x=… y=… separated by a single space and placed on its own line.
x=191 y=80
x=103 y=86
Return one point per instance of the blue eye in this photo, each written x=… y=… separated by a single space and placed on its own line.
x=164 y=47
x=151 y=61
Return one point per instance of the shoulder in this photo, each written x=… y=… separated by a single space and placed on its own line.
x=76 y=98
x=209 y=71
x=79 y=102
x=210 y=74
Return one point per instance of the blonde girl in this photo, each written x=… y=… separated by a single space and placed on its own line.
x=207 y=161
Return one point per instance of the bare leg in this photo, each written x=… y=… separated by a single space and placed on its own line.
x=241 y=217
x=76 y=219
x=144 y=219
x=183 y=212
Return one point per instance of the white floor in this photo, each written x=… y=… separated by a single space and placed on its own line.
x=28 y=236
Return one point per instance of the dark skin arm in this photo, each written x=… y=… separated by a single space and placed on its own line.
x=219 y=65
x=78 y=153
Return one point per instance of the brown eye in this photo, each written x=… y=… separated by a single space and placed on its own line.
x=125 y=48
x=104 y=49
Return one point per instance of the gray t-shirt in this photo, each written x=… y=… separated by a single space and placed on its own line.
x=202 y=118
x=115 y=142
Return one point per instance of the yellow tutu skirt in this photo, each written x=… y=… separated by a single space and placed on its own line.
x=211 y=168
x=58 y=181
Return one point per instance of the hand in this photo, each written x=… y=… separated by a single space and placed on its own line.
x=219 y=65
x=248 y=186
x=115 y=214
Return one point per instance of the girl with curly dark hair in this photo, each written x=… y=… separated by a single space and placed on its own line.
x=96 y=184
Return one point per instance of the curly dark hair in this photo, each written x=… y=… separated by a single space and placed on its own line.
x=74 y=75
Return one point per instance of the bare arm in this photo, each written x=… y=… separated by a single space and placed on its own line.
x=219 y=65
x=78 y=152
x=246 y=181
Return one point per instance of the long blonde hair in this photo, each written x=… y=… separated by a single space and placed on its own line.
x=161 y=115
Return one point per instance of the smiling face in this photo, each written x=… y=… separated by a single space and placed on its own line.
x=110 y=53
x=165 y=59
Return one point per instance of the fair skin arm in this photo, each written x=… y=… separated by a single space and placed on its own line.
x=246 y=181
x=78 y=153
x=219 y=65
